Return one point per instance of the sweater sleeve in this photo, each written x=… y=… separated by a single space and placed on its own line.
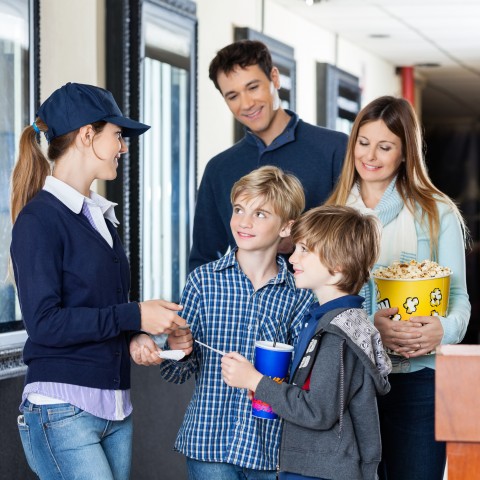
x=38 y=268
x=210 y=240
x=452 y=254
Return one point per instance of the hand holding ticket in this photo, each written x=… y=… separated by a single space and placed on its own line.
x=171 y=354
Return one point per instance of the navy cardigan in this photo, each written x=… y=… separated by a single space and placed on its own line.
x=73 y=290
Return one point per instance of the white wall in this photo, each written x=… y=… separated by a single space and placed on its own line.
x=72 y=47
x=217 y=18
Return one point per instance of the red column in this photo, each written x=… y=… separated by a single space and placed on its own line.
x=408 y=84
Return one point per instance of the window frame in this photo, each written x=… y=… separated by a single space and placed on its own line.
x=13 y=341
x=338 y=97
x=124 y=79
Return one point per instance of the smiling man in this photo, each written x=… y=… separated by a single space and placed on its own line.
x=244 y=74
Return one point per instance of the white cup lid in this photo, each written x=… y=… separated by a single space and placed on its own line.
x=283 y=347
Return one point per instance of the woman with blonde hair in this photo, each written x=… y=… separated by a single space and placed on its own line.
x=73 y=283
x=385 y=173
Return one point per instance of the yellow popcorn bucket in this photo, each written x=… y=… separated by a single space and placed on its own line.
x=414 y=297
x=419 y=297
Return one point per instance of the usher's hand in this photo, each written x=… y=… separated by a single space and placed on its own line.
x=143 y=350
x=160 y=316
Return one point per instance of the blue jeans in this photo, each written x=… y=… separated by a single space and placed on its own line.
x=62 y=442
x=198 y=470
x=407 y=422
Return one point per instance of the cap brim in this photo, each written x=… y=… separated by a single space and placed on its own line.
x=130 y=128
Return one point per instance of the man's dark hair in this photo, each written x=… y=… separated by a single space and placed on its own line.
x=243 y=53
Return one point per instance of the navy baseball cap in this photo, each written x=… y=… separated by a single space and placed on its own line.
x=75 y=105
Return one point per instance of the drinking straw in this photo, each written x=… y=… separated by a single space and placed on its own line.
x=277 y=330
x=210 y=348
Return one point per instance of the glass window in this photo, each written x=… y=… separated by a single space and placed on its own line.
x=16 y=103
x=167 y=173
x=338 y=98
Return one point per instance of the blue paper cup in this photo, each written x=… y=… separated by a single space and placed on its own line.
x=274 y=362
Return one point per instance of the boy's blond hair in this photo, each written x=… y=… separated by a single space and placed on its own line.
x=344 y=239
x=282 y=190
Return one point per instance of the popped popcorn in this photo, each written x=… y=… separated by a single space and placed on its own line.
x=412 y=270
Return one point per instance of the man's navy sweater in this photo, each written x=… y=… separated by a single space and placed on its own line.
x=73 y=291
x=313 y=154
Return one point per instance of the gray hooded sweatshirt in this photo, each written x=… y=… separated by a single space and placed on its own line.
x=332 y=429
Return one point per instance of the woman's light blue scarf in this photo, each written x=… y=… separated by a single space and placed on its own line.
x=404 y=239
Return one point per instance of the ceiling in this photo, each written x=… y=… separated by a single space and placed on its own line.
x=419 y=33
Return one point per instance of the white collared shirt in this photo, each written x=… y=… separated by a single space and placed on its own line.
x=100 y=208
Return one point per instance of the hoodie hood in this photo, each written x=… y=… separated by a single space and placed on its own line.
x=364 y=339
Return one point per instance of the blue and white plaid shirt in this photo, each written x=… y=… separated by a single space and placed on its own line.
x=225 y=312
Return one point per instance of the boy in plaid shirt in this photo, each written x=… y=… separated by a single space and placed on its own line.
x=245 y=296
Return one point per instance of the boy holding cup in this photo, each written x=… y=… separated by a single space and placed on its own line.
x=247 y=295
x=331 y=428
